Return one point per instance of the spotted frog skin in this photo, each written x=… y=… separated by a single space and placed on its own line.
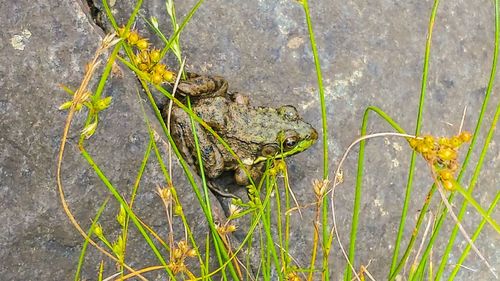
x=254 y=133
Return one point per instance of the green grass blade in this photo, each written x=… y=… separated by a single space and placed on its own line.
x=359 y=182
x=482 y=212
x=324 y=124
x=207 y=199
x=409 y=184
x=181 y=27
x=477 y=129
x=473 y=238
x=415 y=233
x=122 y=201
x=81 y=259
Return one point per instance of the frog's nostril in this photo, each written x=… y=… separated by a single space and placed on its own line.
x=313 y=135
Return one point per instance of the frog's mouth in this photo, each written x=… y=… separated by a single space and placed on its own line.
x=289 y=146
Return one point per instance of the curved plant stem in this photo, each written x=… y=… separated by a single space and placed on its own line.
x=359 y=183
x=78 y=99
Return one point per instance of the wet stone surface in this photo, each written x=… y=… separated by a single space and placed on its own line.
x=370 y=55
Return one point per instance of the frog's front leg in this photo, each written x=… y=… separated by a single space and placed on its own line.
x=254 y=171
x=203 y=86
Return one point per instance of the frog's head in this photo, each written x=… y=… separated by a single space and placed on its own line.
x=292 y=135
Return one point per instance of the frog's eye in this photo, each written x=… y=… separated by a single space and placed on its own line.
x=269 y=150
x=289 y=112
x=290 y=142
x=288 y=139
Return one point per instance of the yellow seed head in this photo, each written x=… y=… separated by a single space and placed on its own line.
x=65 y=105
x=121 y=32
x=178 y=210
x=133 y=37
x=168 y=76
x=142 y=44
x=191 y=253
x=445 y=174
x=231 y=228
x=182 y=246
x=429 y=156
x=465 y=136
x=413 y=142
x=156 y=78
x=143 y=67
x=155 y=55
x=165 y=193
x=448 y=185
x=102 y=104
x=177 y=253
x=280 y=165
x=423 y=148
x=443 y=141
x=143 y=56
x=429 y=140
x=452 y=166
x=273 y=172
x=98 y=230
x=455 y=142
x=292 y=276
x=234 y=210
x=160 y=68
x=447 y=154
x=320 y=187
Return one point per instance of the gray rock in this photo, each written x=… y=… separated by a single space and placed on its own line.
x=370 y=55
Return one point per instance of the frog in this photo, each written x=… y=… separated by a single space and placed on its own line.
x=254 y=133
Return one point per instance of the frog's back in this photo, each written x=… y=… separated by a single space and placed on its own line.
x=213 y=111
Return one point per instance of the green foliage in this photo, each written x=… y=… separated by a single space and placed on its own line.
x=269 y=211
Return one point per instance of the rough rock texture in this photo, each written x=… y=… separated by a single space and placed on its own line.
x=371 y=54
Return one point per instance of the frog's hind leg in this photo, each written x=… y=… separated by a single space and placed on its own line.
x=203 y=86
x=224 y=198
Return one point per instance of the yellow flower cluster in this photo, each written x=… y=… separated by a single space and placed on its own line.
x=292 y=276
x=179 y=254
x=442 y=154
x=226 y=229
x=147 y=60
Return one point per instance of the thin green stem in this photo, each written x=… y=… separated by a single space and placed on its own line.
x=112 y=58
x=122 y=201
x=477 y=170
x=164 y=170
x=478 y=208
x=473 y=238
x=279 y=224
x=86 y=242
x=359 y=183
x=206 y=191
x=181 y=27
x=287 y=221
x=324 y=124
x=266 y=221
x=219 y=245
x=409 y=184
x=134 y=192
x=321 y=89
x=420 y=220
